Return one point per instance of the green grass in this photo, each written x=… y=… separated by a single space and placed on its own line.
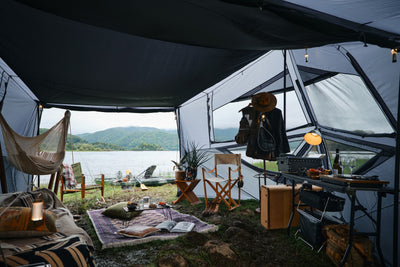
x=269 y=165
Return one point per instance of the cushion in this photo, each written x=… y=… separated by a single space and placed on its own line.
x=138 y=231
x=117 y=211
x=16 y=222
x=69 y=177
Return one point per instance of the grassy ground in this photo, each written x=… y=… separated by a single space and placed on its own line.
x=240 y=229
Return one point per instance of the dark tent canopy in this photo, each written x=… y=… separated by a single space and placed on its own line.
x=147 y=56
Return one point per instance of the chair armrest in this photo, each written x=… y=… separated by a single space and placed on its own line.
x=205 y=171
x=235 y=170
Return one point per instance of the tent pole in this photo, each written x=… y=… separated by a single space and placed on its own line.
x=39 y=116
x=284 y=92
x=284 y=88
x=396 y=188
x=3 y=179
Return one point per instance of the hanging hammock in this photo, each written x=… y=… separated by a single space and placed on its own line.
x=38 y=155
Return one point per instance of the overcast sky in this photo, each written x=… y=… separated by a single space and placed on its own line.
x=90 y=121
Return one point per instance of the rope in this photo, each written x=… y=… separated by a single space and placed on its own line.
x=72 y=144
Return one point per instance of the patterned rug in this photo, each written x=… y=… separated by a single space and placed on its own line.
x=106 y=228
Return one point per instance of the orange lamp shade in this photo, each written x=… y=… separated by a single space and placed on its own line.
x=313 y=138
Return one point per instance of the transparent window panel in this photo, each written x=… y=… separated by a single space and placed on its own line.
x=346 y=151
x=226 y=121
x=294 y=112
x=344 y=102
x=293 y=145
x=226 y=118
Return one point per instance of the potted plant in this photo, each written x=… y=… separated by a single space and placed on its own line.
x=179 y=168
x=194 y=158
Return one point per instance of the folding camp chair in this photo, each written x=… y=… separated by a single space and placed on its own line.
x=147 y=173
x=222 y=186
x=73 y=181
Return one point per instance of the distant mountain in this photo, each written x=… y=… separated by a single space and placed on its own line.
x=76 y=143
x=135 y=138
x=221 y=135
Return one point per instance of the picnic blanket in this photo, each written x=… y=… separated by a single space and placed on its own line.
x=107 y=228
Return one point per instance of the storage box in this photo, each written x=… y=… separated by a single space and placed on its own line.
x=337 y=240
x=293 y=164
x=276 y=206
x=322 y=200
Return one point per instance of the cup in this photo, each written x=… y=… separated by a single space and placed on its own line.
x=146 y=202
x=140 y=204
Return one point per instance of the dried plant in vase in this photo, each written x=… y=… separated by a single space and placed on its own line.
x=194 y=158
x=179 y=168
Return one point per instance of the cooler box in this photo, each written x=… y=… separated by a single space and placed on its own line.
x=276 y=206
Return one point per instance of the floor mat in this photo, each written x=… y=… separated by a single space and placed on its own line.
x=106 y=228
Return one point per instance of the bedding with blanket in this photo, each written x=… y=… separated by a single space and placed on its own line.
x=60 y=242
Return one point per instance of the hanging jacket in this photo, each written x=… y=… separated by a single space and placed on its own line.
x=265 y=137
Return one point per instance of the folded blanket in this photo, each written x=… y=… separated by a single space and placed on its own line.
x=57 y=250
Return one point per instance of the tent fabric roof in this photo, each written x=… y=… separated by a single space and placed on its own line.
x=115 y=55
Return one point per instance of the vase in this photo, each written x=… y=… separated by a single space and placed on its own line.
x=180 y=175
x=191 y=173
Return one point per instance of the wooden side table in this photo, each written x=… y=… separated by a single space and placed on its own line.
x=186 y=188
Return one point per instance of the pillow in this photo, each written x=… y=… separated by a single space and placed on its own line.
x=16 y=222
x=117 y=211
x=69 y=176
x=138 y=231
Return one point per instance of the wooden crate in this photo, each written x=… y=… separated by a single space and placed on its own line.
x=276 y=205
x=337 y=239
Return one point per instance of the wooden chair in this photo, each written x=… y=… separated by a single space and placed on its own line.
x=80 y=186
x=55 y=180
x=223 y=186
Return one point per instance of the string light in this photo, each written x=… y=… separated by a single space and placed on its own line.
x=394 y=54
x=306 y=56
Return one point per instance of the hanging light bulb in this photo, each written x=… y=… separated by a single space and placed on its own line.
x=306 y=56
x=37 y=209
x=394 y=54
x=313 y=138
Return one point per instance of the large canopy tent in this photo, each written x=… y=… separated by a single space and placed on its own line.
x=212 y=56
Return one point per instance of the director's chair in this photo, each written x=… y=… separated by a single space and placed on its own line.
x=223 y=186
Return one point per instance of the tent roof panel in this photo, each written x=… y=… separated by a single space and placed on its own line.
x=151 y=54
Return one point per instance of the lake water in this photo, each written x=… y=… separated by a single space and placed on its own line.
x=110 y=162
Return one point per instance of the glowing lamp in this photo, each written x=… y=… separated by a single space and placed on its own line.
x=306 y=56
x=394 y=54
x=313 y=138
x=37 y=209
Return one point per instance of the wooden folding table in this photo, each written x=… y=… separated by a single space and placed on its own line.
x=186 y=188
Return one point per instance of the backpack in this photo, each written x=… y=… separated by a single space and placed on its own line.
x=265 y=140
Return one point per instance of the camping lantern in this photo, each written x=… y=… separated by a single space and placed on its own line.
x=37 y=209
x=394 y=54
x=306 y=56
x=313 y=138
